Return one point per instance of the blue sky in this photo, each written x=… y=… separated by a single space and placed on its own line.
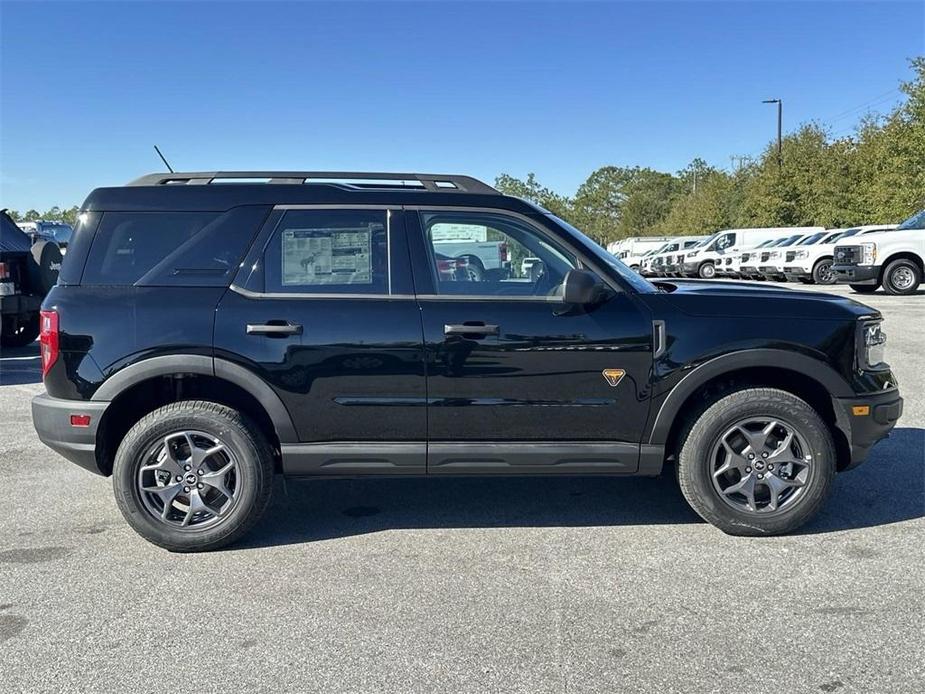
x=557 y=88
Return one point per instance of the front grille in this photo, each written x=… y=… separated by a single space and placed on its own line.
x=847 y=255
x=791 y=256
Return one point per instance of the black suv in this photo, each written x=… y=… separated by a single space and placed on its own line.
x=210 y=329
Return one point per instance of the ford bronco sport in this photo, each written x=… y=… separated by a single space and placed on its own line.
x=203 y=336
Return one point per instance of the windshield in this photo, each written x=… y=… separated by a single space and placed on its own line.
x=811 y=239
x=916 y=221
x=636 y=281
x=790 y=240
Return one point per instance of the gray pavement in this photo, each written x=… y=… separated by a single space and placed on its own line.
x=468 y=585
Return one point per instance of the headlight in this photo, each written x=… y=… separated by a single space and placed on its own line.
x=802 y=254
x=868 y=253
x=872 y=345
x=774 y=254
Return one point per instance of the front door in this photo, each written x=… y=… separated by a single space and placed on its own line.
x=323 y=312
x=517 y=381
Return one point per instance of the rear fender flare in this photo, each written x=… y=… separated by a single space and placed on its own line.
x=167 y=365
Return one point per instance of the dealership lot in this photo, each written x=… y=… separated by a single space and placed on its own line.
x=468 y=585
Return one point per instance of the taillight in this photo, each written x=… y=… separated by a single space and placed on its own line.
x=48 y=339
x=503 y=252
x=4 y=271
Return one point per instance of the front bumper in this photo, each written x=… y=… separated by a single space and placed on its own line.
x=796 y=272
x=51 y=418
x=771 y=271
x=865 y=420
x=857 y=274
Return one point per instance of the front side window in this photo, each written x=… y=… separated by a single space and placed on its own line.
x=725 y=241
x=329 y=252
x=487 y=254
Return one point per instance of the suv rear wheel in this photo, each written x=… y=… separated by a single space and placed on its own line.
x=193 y=476
x=759 y=461
x=902 y=277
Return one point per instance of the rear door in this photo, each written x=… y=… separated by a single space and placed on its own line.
x=323 y=312
x=517 y=381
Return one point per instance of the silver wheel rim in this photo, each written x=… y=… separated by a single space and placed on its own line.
x=761 y=465
x=708 y=271
x=825 y=273
x=902 y=278
x=189 y=480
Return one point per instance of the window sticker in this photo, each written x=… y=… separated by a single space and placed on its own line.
x=327 y=256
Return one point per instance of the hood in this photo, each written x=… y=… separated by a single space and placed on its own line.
x=876 y=236
x=744 y=299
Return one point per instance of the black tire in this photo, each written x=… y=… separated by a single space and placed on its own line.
x=706 y=271
x=902 y=277
x=864 y=288
x=19 y=330
x=822 y=272
x=475 y=271
x=695 y=466
x=253 y=483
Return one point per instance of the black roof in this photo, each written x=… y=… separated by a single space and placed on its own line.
x=222 y=190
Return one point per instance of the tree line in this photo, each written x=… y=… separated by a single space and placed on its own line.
x=875 y=175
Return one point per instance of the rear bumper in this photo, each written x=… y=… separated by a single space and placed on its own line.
x=857 y=274
x=51 y=418
x=869 y=425
x=20 y=303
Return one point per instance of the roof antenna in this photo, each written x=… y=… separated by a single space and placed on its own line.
x=163 y=159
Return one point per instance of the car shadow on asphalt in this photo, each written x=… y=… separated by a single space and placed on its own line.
x=888 y=488
x=19 y=365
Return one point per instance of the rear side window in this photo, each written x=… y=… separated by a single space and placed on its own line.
x=170 y=248
x=329 y=252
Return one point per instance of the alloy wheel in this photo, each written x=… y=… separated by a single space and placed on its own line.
x=189 y=480
x=761 y=465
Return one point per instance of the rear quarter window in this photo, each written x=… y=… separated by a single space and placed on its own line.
x=171 y=248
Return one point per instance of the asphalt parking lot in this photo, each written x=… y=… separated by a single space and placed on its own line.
x=504 y=585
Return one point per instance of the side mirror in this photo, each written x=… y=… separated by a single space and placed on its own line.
x=580 y=287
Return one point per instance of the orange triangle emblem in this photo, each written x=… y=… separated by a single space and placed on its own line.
x=613 y=376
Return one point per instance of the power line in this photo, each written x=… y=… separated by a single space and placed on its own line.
x=877 y=100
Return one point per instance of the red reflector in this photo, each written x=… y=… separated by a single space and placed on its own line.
x=4 y=271
x=80 y=420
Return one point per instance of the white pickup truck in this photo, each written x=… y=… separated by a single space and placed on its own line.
x=895 y=259
x=482 y=255
x=811 y=263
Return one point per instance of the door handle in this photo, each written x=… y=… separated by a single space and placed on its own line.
x=471 y=329
x=274 y=328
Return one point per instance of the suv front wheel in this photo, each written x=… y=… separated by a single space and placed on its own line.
x=193 y=476
x=759 y=461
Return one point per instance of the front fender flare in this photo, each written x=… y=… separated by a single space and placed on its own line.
x=811 y=368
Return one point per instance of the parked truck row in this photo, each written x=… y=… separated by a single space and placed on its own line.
x=866 y=257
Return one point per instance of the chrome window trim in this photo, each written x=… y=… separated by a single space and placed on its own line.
x=247 y=293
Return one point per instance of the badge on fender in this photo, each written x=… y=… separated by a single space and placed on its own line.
x=613 y=376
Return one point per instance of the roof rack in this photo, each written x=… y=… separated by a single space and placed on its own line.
x=348 y=179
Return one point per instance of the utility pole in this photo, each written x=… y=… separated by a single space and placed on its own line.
x=780 y=120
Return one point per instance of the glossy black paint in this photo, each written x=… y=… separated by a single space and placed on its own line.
x=375 y=385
